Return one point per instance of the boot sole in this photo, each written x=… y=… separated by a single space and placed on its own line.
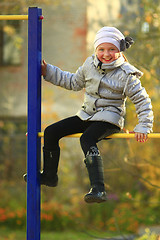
x=54 y=184
x=50 y=185
x=90 y=199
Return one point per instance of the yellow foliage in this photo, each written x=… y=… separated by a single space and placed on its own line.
x=149 y=47
x=9 y=30
x=148 y=18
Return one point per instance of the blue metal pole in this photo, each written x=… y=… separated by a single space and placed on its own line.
x=34 y=123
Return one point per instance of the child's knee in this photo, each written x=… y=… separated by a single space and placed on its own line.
x=49 y=131
x=46 y=131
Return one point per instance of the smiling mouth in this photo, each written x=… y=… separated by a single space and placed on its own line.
x=107 y=60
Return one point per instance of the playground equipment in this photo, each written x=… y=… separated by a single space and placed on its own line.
x=34 y=123
x=13 y=17
x=115 y=135
x=34 y=18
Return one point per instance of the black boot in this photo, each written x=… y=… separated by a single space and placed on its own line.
x=97 y=192
x=49 y=175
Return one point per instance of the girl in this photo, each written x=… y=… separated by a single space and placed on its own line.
x=108 y=80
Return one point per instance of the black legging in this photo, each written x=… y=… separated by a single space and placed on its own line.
x=93 y=131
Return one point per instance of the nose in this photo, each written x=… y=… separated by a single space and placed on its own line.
x=106 y=53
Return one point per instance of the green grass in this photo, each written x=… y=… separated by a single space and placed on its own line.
x=7 y=234
x=11 y=234
x=65 y=235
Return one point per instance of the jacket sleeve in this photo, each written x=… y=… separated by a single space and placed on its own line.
x=140 y=98
x=70 y=81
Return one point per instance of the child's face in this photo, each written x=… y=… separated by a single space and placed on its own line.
x=107 y=52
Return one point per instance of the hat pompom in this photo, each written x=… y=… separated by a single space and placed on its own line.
x=126 y=43
x=129 y=41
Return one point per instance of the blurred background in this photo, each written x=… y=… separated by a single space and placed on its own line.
x=132 y=170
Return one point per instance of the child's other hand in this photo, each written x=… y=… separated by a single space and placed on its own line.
x=141 y=137
x=43 y=68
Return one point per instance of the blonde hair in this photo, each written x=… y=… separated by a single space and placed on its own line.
x=126 y=60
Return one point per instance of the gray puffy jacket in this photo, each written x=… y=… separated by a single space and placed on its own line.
x=106 y=92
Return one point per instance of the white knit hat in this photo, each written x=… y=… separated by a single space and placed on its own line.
x=109 y=35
